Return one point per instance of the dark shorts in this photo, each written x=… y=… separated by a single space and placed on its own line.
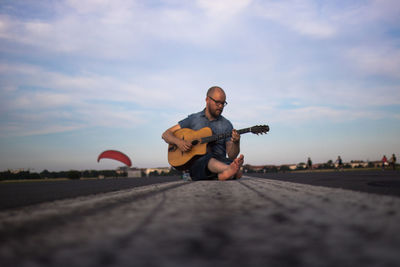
x=200 y=171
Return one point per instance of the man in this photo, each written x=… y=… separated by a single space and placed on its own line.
x=393 y=161
x=214 y=164
x=384 y=162
x=339 y=162
x=309 y=163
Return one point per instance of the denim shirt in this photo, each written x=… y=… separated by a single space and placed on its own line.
x=220 y=125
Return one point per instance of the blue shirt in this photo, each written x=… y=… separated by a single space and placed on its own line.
x=218 y=126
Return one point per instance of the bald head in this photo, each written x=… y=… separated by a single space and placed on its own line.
x=215 y=102
x=214 y=90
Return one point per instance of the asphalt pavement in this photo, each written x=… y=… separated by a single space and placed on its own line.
x=377 y=182
x=248 y=222
x=13 y=195
x=17 y=194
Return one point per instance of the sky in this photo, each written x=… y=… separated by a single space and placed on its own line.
x=78 y=77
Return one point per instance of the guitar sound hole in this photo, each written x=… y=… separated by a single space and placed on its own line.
x=195 y=142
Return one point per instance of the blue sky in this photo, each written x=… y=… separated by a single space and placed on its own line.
x=78 y=77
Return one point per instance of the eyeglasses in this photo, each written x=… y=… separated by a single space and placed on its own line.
x=219 y=102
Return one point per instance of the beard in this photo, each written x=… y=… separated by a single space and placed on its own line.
x=216 y=112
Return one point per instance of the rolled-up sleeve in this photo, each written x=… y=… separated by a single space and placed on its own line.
x=187 y=122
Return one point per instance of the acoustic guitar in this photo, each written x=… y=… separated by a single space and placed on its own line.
x=199 y=139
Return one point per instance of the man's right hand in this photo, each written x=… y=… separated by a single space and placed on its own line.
x=184 y=145
x=170 y=138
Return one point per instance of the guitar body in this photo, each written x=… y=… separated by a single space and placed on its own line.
x=182 y=160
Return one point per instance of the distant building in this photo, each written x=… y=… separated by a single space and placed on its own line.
x=358 y=164
x=139 y=172
x=15 y=171
x=158 y=170
x=134 y=173
x=130 y=172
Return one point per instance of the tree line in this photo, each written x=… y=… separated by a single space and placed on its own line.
x=75 y=174
x=71 y=174
x=330 y=164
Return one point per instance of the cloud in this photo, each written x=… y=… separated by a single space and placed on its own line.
x=302 y=115
x=23 y=129
x=87 y=28
x=37 y=100
x=81 y=87
x=121 y=29
x=327 y=20
x=54 y=101
x=42 y=100
x=231 y=50
x=374 y=11
x=302 y=17
x=223 y=9
x=379 y=59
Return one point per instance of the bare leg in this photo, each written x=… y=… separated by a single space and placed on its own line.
x=226 y=171
x=216 y=166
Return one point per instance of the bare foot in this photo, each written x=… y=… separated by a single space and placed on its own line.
x=240 y=161
x=233 y=170
x=239 y=174
x=230 y=172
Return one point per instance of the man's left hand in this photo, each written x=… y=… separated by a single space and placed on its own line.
x=235 y=137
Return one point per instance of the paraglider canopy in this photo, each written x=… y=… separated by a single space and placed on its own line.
x=115 y=155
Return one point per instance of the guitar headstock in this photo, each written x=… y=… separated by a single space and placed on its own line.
x=259 y=129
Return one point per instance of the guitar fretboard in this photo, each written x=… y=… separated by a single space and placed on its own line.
x=217 y=137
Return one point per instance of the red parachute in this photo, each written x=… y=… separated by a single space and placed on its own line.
x=116 y=155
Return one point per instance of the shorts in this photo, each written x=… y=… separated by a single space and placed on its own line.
x=199 y=169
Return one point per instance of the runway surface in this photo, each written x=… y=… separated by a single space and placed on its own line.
x=247 y=222
x=378 y=182
x=14 y=195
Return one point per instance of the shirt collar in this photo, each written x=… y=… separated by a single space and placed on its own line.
x=203 y=114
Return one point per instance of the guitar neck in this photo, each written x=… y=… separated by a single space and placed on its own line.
x=214 y=138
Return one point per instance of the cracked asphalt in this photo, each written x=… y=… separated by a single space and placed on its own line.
x=247 y=222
